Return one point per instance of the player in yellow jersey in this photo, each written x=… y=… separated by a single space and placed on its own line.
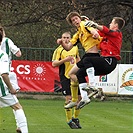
x=65 y=60
x=90 y=40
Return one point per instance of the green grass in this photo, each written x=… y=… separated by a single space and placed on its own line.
x=48 y=116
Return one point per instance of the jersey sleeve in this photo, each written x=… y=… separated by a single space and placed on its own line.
x=56 y=54
x=109 y=32
x=105 y=29
x=14 y=49
x=75 y=38
x=89 y=29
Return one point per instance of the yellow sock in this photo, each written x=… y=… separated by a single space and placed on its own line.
x=74 y=91
x=68 y=114
x=76 y=112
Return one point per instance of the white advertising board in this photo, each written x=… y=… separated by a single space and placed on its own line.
x=109 y=83
x=125 y=85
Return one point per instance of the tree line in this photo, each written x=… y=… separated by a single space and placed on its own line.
x=38 y=23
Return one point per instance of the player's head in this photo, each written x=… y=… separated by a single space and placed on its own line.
x=120 y=21
x=66 y=36
x=1 y=33
x=117 y=22
x=73 y=18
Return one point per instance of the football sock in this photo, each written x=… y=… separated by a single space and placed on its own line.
x=68 y=114
x=76 y=112
x=74 y=91
x=14 y=112
x=91 y=76
x=21 y=119
x=84 y=94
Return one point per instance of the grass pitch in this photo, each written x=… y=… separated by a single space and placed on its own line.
x=48 y=116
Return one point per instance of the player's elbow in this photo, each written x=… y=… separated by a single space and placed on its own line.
x=3 y=75
x=54 y=64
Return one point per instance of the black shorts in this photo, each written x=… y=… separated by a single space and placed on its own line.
x=80 y=64
x=65 y=83
x=102 y=66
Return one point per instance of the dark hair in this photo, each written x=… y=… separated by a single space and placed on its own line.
x=70 y=15
x=1 y=33
x=120 y=21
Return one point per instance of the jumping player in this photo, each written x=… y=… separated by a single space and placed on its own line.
x=110 y=53
x=89 y=39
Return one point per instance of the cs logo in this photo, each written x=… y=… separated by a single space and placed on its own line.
x=22 y=69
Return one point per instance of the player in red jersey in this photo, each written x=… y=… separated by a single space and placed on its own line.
x=110 y=53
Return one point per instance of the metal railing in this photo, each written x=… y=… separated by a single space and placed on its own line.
x=45 y=54
x=126 y=57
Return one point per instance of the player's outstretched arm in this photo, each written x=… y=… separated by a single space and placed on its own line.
x=93 y=24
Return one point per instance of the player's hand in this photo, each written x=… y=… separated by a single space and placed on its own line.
x=95 y=34
x=13 y=91
x=59 y=41
x=91 y=24
x=68 y=58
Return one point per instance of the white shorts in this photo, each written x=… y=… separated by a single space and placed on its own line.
x=8 y=100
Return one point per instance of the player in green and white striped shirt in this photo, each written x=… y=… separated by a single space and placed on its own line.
x=8 y=91
x=10 y=48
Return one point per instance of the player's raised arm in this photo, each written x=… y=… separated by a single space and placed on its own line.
x=90 y=23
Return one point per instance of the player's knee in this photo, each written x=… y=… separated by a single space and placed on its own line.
x=74 y=84
x=81 y=78
x=16 y=106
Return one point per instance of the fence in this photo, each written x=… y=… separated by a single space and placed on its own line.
x=45 y=54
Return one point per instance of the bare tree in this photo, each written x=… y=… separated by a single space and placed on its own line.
x=37 y=23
